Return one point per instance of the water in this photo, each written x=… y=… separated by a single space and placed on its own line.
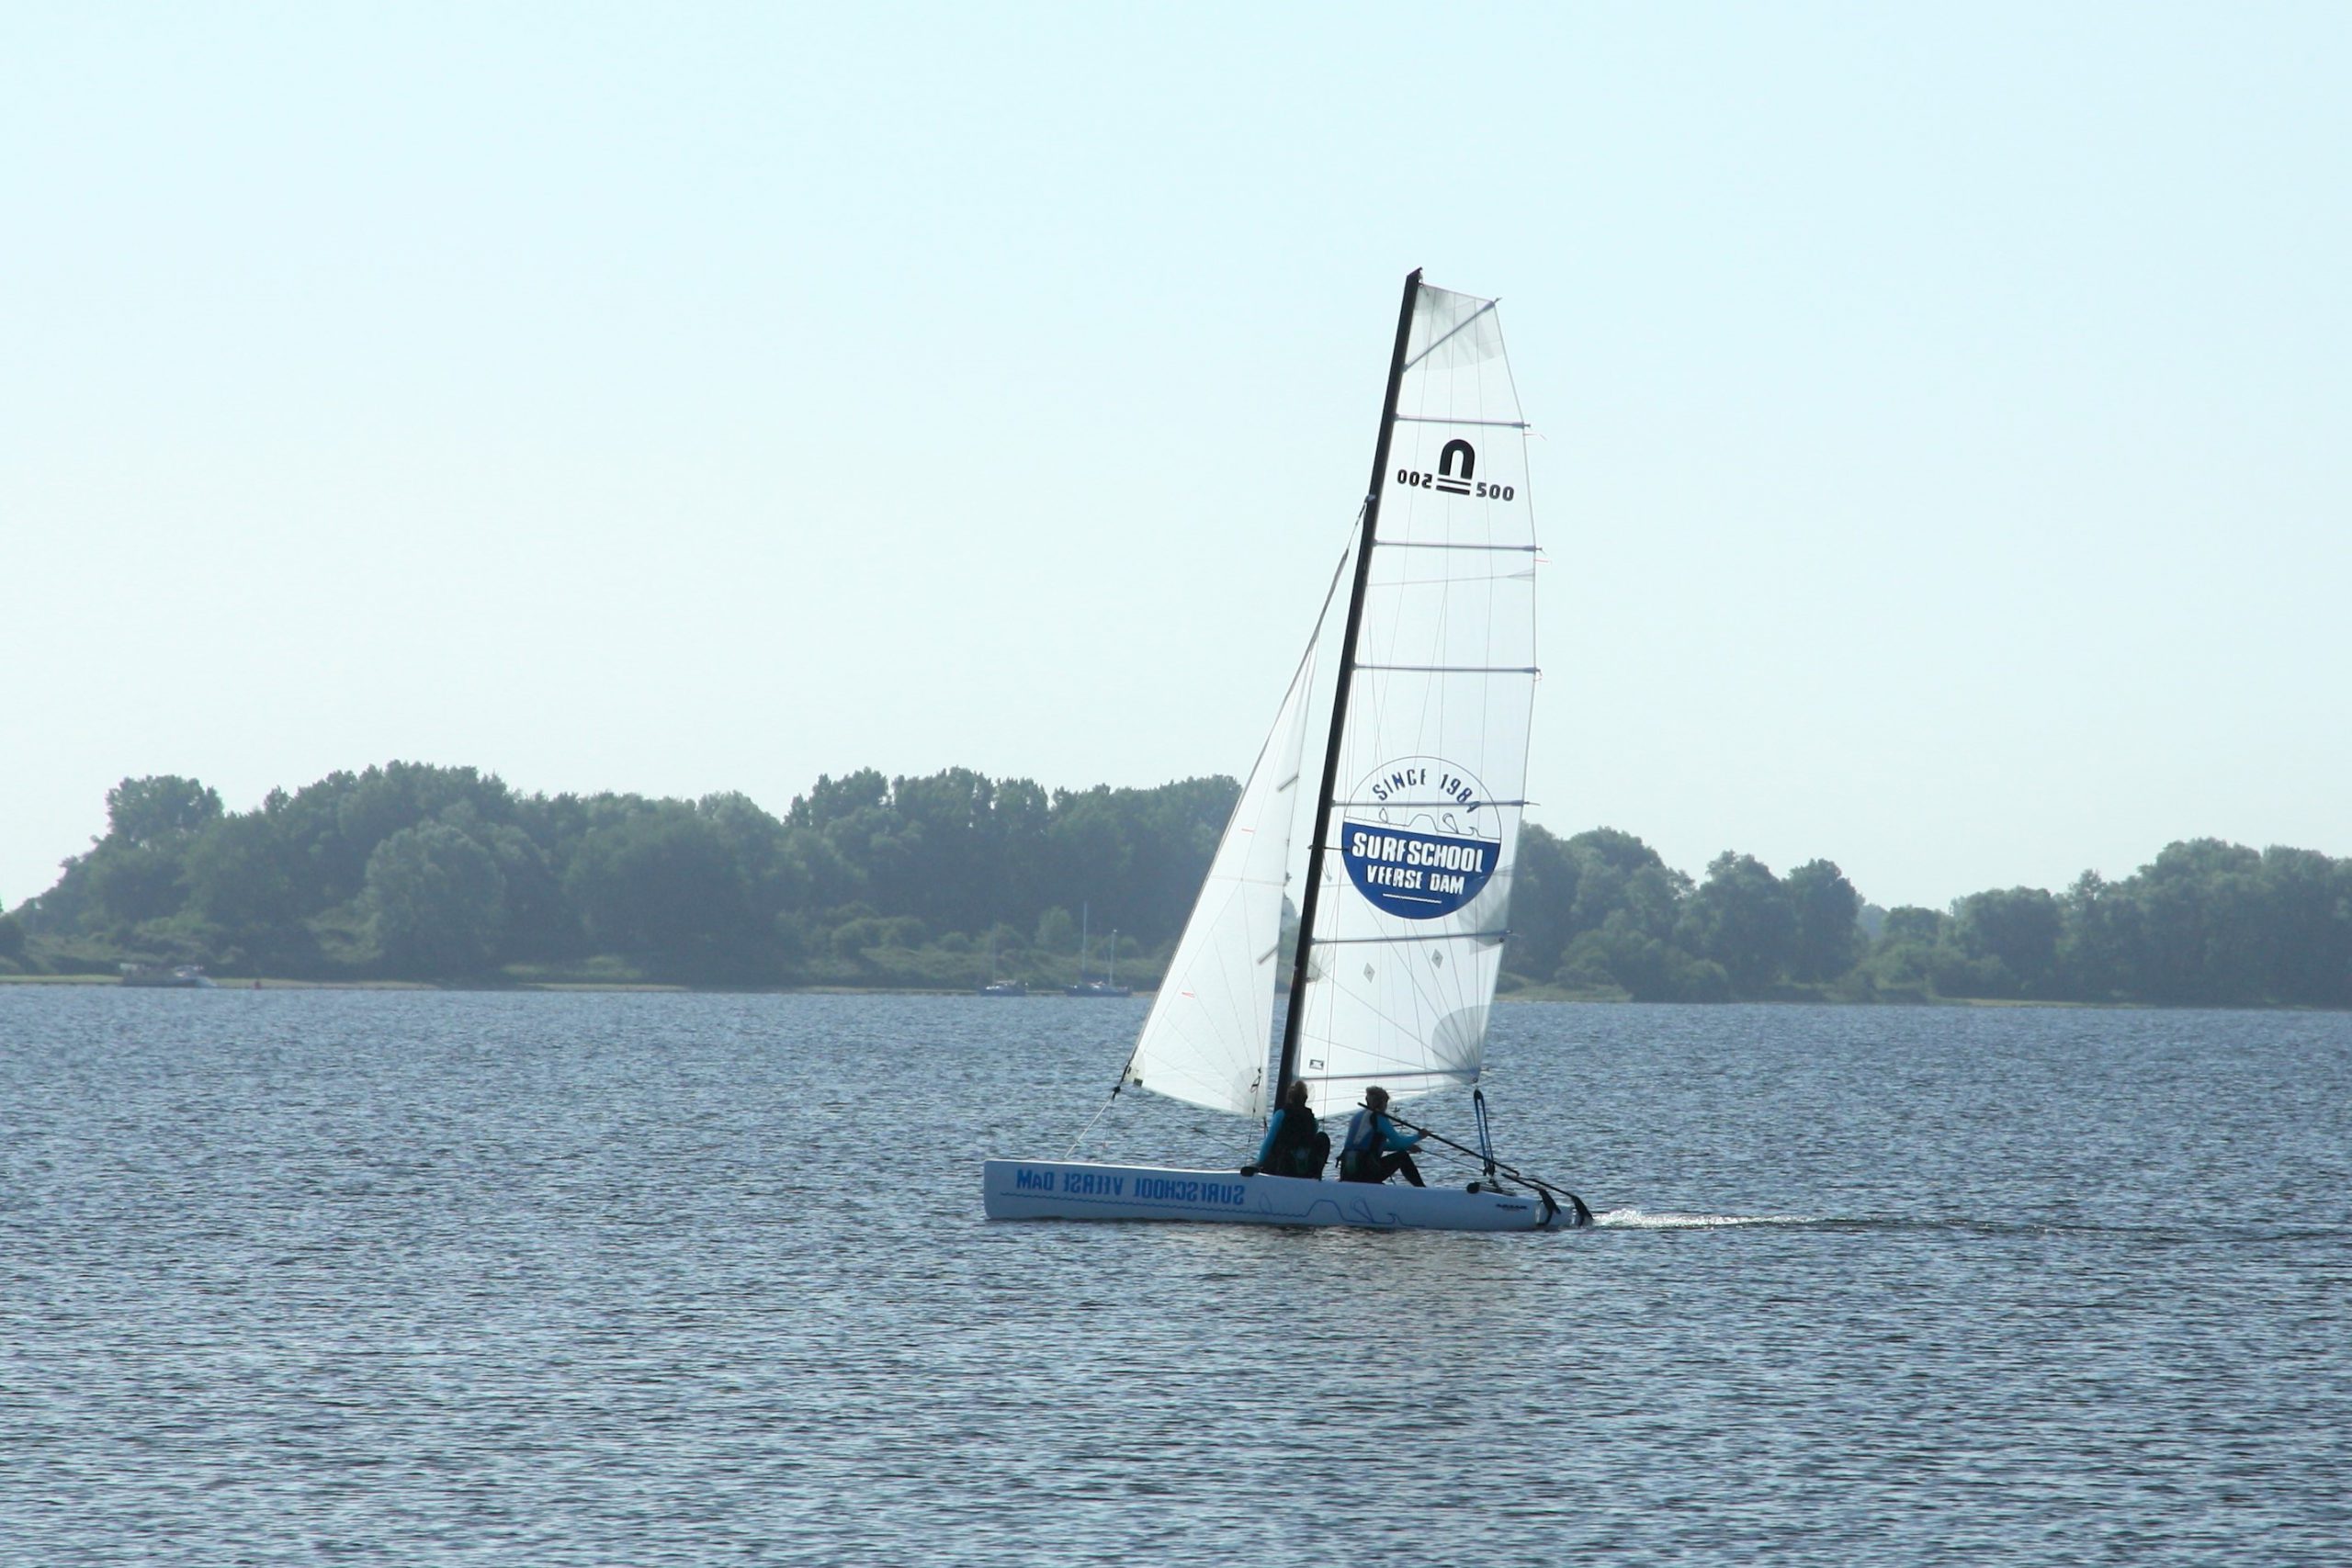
x=367 y=1277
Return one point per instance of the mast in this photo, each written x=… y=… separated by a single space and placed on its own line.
x=1288 y=1066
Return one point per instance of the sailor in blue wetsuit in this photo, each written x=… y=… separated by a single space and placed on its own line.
x=1375 y=1150
x=1293 y=1146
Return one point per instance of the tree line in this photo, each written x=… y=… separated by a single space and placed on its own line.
x=436 y=873
x=416 y=872
x=2205 y=923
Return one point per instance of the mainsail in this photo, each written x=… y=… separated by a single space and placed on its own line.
x=1405 y=941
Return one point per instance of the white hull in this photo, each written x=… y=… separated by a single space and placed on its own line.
x=1059 y=1189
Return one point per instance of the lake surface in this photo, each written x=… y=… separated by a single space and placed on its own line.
x=379 y=1276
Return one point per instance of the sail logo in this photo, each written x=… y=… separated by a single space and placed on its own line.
x=1457 y=470
x=1455 y=451
x=1419 y=839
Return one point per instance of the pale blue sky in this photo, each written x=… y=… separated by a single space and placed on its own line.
x=1944 y=466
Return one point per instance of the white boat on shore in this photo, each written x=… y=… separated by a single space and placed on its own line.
x=1409 y=867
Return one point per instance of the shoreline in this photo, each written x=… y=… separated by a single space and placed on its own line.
x=1527 y=996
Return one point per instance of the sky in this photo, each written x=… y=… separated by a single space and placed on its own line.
x=1942 y=411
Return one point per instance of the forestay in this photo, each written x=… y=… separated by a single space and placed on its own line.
x=1410 y=921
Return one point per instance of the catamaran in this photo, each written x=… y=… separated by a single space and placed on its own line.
x=1409 y=869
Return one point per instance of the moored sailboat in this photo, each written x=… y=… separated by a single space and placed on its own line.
x=1085 y=986
x=1414 y=822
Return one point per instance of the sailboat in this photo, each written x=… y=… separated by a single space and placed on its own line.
x=997 y=984
x=1414 y=824
x=1107 y=986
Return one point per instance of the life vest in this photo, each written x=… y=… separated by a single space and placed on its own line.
x=1293 y=1141
x=1360 y=1155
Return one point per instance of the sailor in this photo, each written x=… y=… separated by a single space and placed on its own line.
x=1293 y=1146
x=1375 y=1150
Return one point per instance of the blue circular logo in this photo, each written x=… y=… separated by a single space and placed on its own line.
x=1419 y=838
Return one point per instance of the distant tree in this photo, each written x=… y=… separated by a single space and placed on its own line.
x=2194 y=902
x=1542 y=902
x=241 y=882
x=661 y=884
x=158 y=810
x=951 y=815
x=2018 y=930
x=1647 y=968
x=1828 y=938
x=129 y=880
x=2099 y=944
x=816 y=873
x=833 y=800
x=437 y=901
x=756 y=842
x=138 y=872
x=12 y=937
x=1093 y=854
x=1615 y=848
x=856 y=939
x=1024 y=814
x=1909 y=922
x=1616 y=871
x=1740 y=918
x=1056 y=932
x=2306 y=926
x=540 y=922
x=1174 y=830
x=1902 y=961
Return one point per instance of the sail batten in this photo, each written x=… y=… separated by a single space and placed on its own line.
x=1443 y=545
x=1457 y=669
x=1440 y=419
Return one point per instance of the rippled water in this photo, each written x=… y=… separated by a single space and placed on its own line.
x=404 y=1277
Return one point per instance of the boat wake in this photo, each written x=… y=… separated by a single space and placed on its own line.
x=2204 y=1233
x=1642 y=1220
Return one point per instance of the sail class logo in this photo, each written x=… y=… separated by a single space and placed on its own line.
x=1446 y=479
x=1457 y=468
x=1417 y=838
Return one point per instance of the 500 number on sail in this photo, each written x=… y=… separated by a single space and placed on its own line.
x=1482 y=489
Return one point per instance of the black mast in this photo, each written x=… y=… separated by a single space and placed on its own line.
x=1288 y=1068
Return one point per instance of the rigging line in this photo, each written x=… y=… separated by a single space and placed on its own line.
x=1099 y=1114
x=1463 y=325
